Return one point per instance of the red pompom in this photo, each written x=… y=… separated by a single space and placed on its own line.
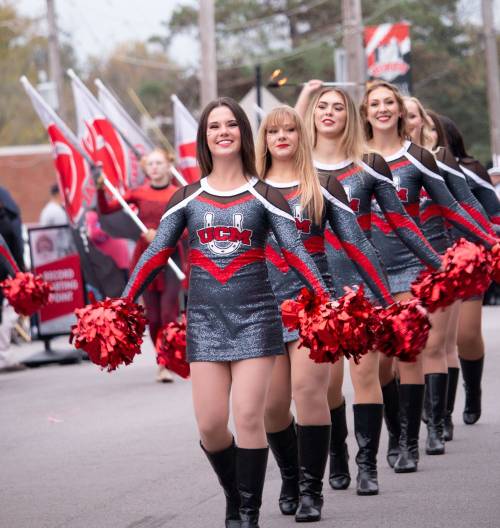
x=403 y=330
x=26 y=292
x=466 y=271
x=495 y=264
x=171 y=347
x=110 y=331
x=331 y=330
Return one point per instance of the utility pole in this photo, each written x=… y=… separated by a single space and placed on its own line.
x=352 y=22
x=208 y=76
x=492 y=75
x=55 y=70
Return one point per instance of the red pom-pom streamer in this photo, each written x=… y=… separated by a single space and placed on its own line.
x=403 y=330
x=331 y=330
x=495 y=257
x=110 y=331
x=171 y=348
x=26 y=292
x=466 y=272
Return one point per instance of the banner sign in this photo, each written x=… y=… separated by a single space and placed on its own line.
x=55 y=258
x=387 y=49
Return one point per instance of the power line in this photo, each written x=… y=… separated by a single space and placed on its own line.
x=263 y=20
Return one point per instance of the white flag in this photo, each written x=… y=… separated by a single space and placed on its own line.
x=186 y=128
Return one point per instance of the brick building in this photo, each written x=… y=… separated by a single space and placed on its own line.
x=27 y=172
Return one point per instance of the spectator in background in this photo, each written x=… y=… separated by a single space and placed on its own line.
x=11 y=226
x=10 y=230
x=53 y=213
x=494 y=173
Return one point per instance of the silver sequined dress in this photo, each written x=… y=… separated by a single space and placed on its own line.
x=232 y=313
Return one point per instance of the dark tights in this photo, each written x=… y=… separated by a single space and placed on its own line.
x=162 y=307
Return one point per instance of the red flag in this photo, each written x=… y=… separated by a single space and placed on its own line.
x=74 y=176
x=185 y=141
x=99 y=138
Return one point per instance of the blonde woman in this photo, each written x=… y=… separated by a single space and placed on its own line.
x=414 y=168
x=284 y=161
x=340 y=151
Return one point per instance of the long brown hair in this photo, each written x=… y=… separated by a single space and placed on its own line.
x=441 y=135
x=363 y=109
x=247 y=152
x=352 y=140
x=311 y=198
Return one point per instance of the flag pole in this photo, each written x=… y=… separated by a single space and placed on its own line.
x=175 y=173
x=128 y=210
x=161 y=136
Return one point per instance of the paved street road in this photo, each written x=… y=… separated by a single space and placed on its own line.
x=82 y=448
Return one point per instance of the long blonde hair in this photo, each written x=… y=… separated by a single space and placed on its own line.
x=425 y=139
x=363 y=109
x=311 y=197
x=352 y=140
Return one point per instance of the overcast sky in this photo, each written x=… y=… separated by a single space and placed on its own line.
x=96 y=26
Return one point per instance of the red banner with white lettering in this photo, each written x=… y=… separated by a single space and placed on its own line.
x=55 y=258
x=387 y=49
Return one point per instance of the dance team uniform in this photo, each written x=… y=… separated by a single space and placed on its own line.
x=366 y=183
x=342 y=222
x=414 y=168
x=479 y=181
x=433 y=222
x=161 y=297
x=232 y=312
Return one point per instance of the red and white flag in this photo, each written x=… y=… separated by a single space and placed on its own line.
x=74 y=175
x=99 y=138
x=131 y=132
x=186 y=127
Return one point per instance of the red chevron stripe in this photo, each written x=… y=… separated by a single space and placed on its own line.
x=357 y=256
x=399 y=164
x=154 y=263
x=6 y=253
x=315 y=244
x=413 y=209
x=365 y=221
x=198 y=258
x=350 y=172
x=495 y=219
x=295 y=262
x=332 y=239
x=459 y=219
x=479 y=218
x=225 y=205
x=430 y=212
x=381 y=224
x=276 y=259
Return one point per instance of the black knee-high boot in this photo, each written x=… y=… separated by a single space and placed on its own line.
x=411 y=399
x=283 y=445
x=251 y=467
x=472 y=372
x=340 y=477
x=313 y=442
x=367 y=427
x=391 y=417
x=450 y=403
x=436 y=387
x=224 y=464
